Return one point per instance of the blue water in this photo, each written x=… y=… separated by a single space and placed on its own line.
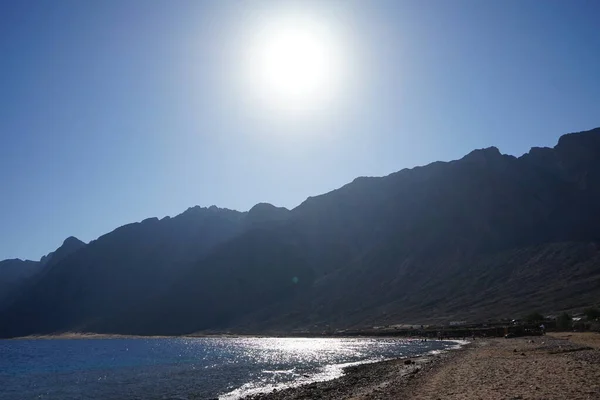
x=182 y=368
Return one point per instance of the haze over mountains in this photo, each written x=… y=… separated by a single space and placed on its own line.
x=486 y=236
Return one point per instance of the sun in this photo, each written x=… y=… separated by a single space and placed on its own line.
x=294 y=63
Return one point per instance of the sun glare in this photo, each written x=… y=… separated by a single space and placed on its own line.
x=294 y=64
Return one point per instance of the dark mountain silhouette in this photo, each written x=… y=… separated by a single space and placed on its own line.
x=486 y=236
x=118 y=271
x=265 y=214
x=16 y=272
x=69 y=246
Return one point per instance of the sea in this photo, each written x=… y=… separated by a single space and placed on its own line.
x=184 y=368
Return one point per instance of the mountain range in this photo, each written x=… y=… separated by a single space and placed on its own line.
x=486 y=236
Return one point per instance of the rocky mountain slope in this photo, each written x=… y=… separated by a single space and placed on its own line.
x=15 y=273
x=486 y=236
x=119 y=270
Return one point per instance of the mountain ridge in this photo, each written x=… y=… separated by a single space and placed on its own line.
x=376 y=250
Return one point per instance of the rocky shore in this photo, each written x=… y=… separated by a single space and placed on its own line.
x=564 y=366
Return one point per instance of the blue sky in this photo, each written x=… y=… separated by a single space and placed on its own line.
x=114 y=111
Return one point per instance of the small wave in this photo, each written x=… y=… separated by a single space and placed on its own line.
x=458 y=345
x=251 y=388
x=327 y=373
x=283 y=371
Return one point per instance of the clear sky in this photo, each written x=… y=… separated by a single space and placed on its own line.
x=115 y=111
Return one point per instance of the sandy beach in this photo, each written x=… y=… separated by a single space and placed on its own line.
x=557 y=366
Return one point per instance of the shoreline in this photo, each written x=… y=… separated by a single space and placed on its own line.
x=85 y=335
x=551 y=367
x=366 y=378
x=92 y=335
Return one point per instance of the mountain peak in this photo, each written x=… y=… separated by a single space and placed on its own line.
x=483 y=156
x=266 y=212
x=198 y=209
x=70 y=245
x=72 y=241
x=485 y=152
x=265 y=206
x=586 y=139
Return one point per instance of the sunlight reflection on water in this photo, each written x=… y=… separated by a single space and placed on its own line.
x=182 y=367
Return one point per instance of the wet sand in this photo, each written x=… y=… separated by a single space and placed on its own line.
x=552 y=367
